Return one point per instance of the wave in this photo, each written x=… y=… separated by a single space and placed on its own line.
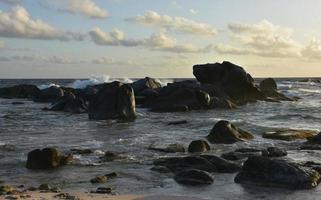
x=316 y=91
x=95 y=80
x=288 y=116
x=45 y=86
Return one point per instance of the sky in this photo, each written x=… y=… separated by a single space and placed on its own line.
x=158 y=38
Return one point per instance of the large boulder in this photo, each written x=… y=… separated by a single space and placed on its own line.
x=141 y=86
x=289 y=134
x=313 y=143
x=114 y=101
x=269 y=89
x=227 y=133
x=263 y=171
x=50 y=94
x=47 y=158
x=222 y=165
x=194 y=177
x=69 y=103
x=240 y=154
x=232 y=79
x=19 y=91
x=198 y=146
x=268 y=84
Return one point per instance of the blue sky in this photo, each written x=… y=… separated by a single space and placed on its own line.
x=165 y=38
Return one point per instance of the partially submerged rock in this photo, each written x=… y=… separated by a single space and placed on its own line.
x=269 y=88
x=241 y=154
x=274 y=152
x=197 y=146
x=194 y=177
x=263 y=171
x=20 y=91
x=114 y=101
x=69 y=103
x=171 y=148
x=289 y=134
x=227 y=133
x=222 y=165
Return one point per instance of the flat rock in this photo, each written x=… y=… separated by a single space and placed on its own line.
x=289 y=134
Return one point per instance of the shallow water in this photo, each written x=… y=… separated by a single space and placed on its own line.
x=26 y=127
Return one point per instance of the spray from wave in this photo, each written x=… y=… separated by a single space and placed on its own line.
x=45 y=86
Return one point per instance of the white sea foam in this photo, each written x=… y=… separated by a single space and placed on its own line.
x=45 y=86
x=94 y=80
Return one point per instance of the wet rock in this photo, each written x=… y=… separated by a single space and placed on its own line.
x=111 y=175
x=198 y=146
x=6 y=189
x=67 y=159
x=17 y=103
x=269 y=88
x=66 y=196
x=268 y=84
x=263 y=171
x=81 y=151
x=221 y=103
x=222 y=165
x=142 y=85
x=109 y=157
x=114 y=101
x=289 y=134
x=19 y=91
x=227 y=133
x=240 y=155
x=274 y=152
x=44 y=187
x=50 y=94
x=47 y=158
x=160 y=169
x=194 y=177
x=171 y=148
x=102 y=190
x=232 y=79
x=177 y=164
x=99 y=179
x=170 y=108
x=315 y=139
x=69 y=103
x=177 y=122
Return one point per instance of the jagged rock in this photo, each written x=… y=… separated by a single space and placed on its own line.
x=198 y=146
x=194 y=177
x=19 y=91
x=114 y=101
x=263 y=171
x=69 y=103
x=274 y=152
x=47 y=158
x=143 y=85
x=226 y=132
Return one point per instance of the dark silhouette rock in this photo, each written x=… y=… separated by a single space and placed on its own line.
x=194 y=177
x=179 y=122
x=221 y=103
x=313 y=143
x=198 y=146
x=19 y=91
x=69 y=103
x=227 y=133
x=47 y=158
x=263 y=171
x=171 y=148
x=274 y=152
x=50 y=94
x=268 y=84
x=114 y=101
x=222 y=165
x=241 y=154
x=141 y=86
x=289 y=134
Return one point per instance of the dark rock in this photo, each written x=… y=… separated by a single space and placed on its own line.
x=198 y=146
x=140 y=86
x=289 y=134
x=102 y=190
x=66 y=159
x=160 y=169
x=314 y=139
x=66 y=196
x=50 y=94
x=6 y=189
x=233 y=80
x=170 y=108
x=177 y=122
x=235 y=155
x=171 y=148
x=221 y=103
x=227 y=133
x=17 y=103
x=176 y=164
x=194 y=177
x=19 y=91
x=47 y=158
x=44 y=187
x=109 y=157
x=268 y=84
x=274 y=152
x=263 y=171
x=222 y=165
x=99 y=179
x=114 y=101
x=111 y=175
x=81 y=151
x=69 y=103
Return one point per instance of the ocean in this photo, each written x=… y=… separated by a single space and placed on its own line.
x=26 y=127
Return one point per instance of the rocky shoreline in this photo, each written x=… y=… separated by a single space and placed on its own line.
x=217 y=86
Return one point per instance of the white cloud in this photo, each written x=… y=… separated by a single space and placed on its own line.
x=86 y=8
x=312 y=50
x=111 y=61
x=18 y=24
x=178 y=24
x=194 y=12
x=42 y=59
x=158 y=41
x=263 y=39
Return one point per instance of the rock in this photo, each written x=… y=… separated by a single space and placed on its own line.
x=66 y=196
x=171 y=148
x=81 y=151
x=198 y=146
x=67 y=159
x=232 y=79
x=221 y=103
x=194 y=177
x=170 y=108
x=314 y=139
x=102 y=190
x=268 y=84
x=274 y=152
x=69 y=103
x=111 y=175
x=99 y=179
x=47 y=158
x=289 y=134
x=55 y=189
x=222 y=165
x=17 y=103
x=114 y=101
x=142 y=85
x=177 y=164
x=177 y=122
x=50 y=94
x=19 y=91
x=263 y=171
x=44 y=187
x=227 y=133
x=109 y=156
x=160 y=169
x=6 y=189
x=241 y=154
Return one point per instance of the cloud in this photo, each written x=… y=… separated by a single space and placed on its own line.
x=18 y=24
x=11 y=1
x=111 y=61
x=87 y=8
x=312 y=51
x=193 y=12
x=42 y=59
x=157 y=41
x=178 y=24
x=263 y=39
